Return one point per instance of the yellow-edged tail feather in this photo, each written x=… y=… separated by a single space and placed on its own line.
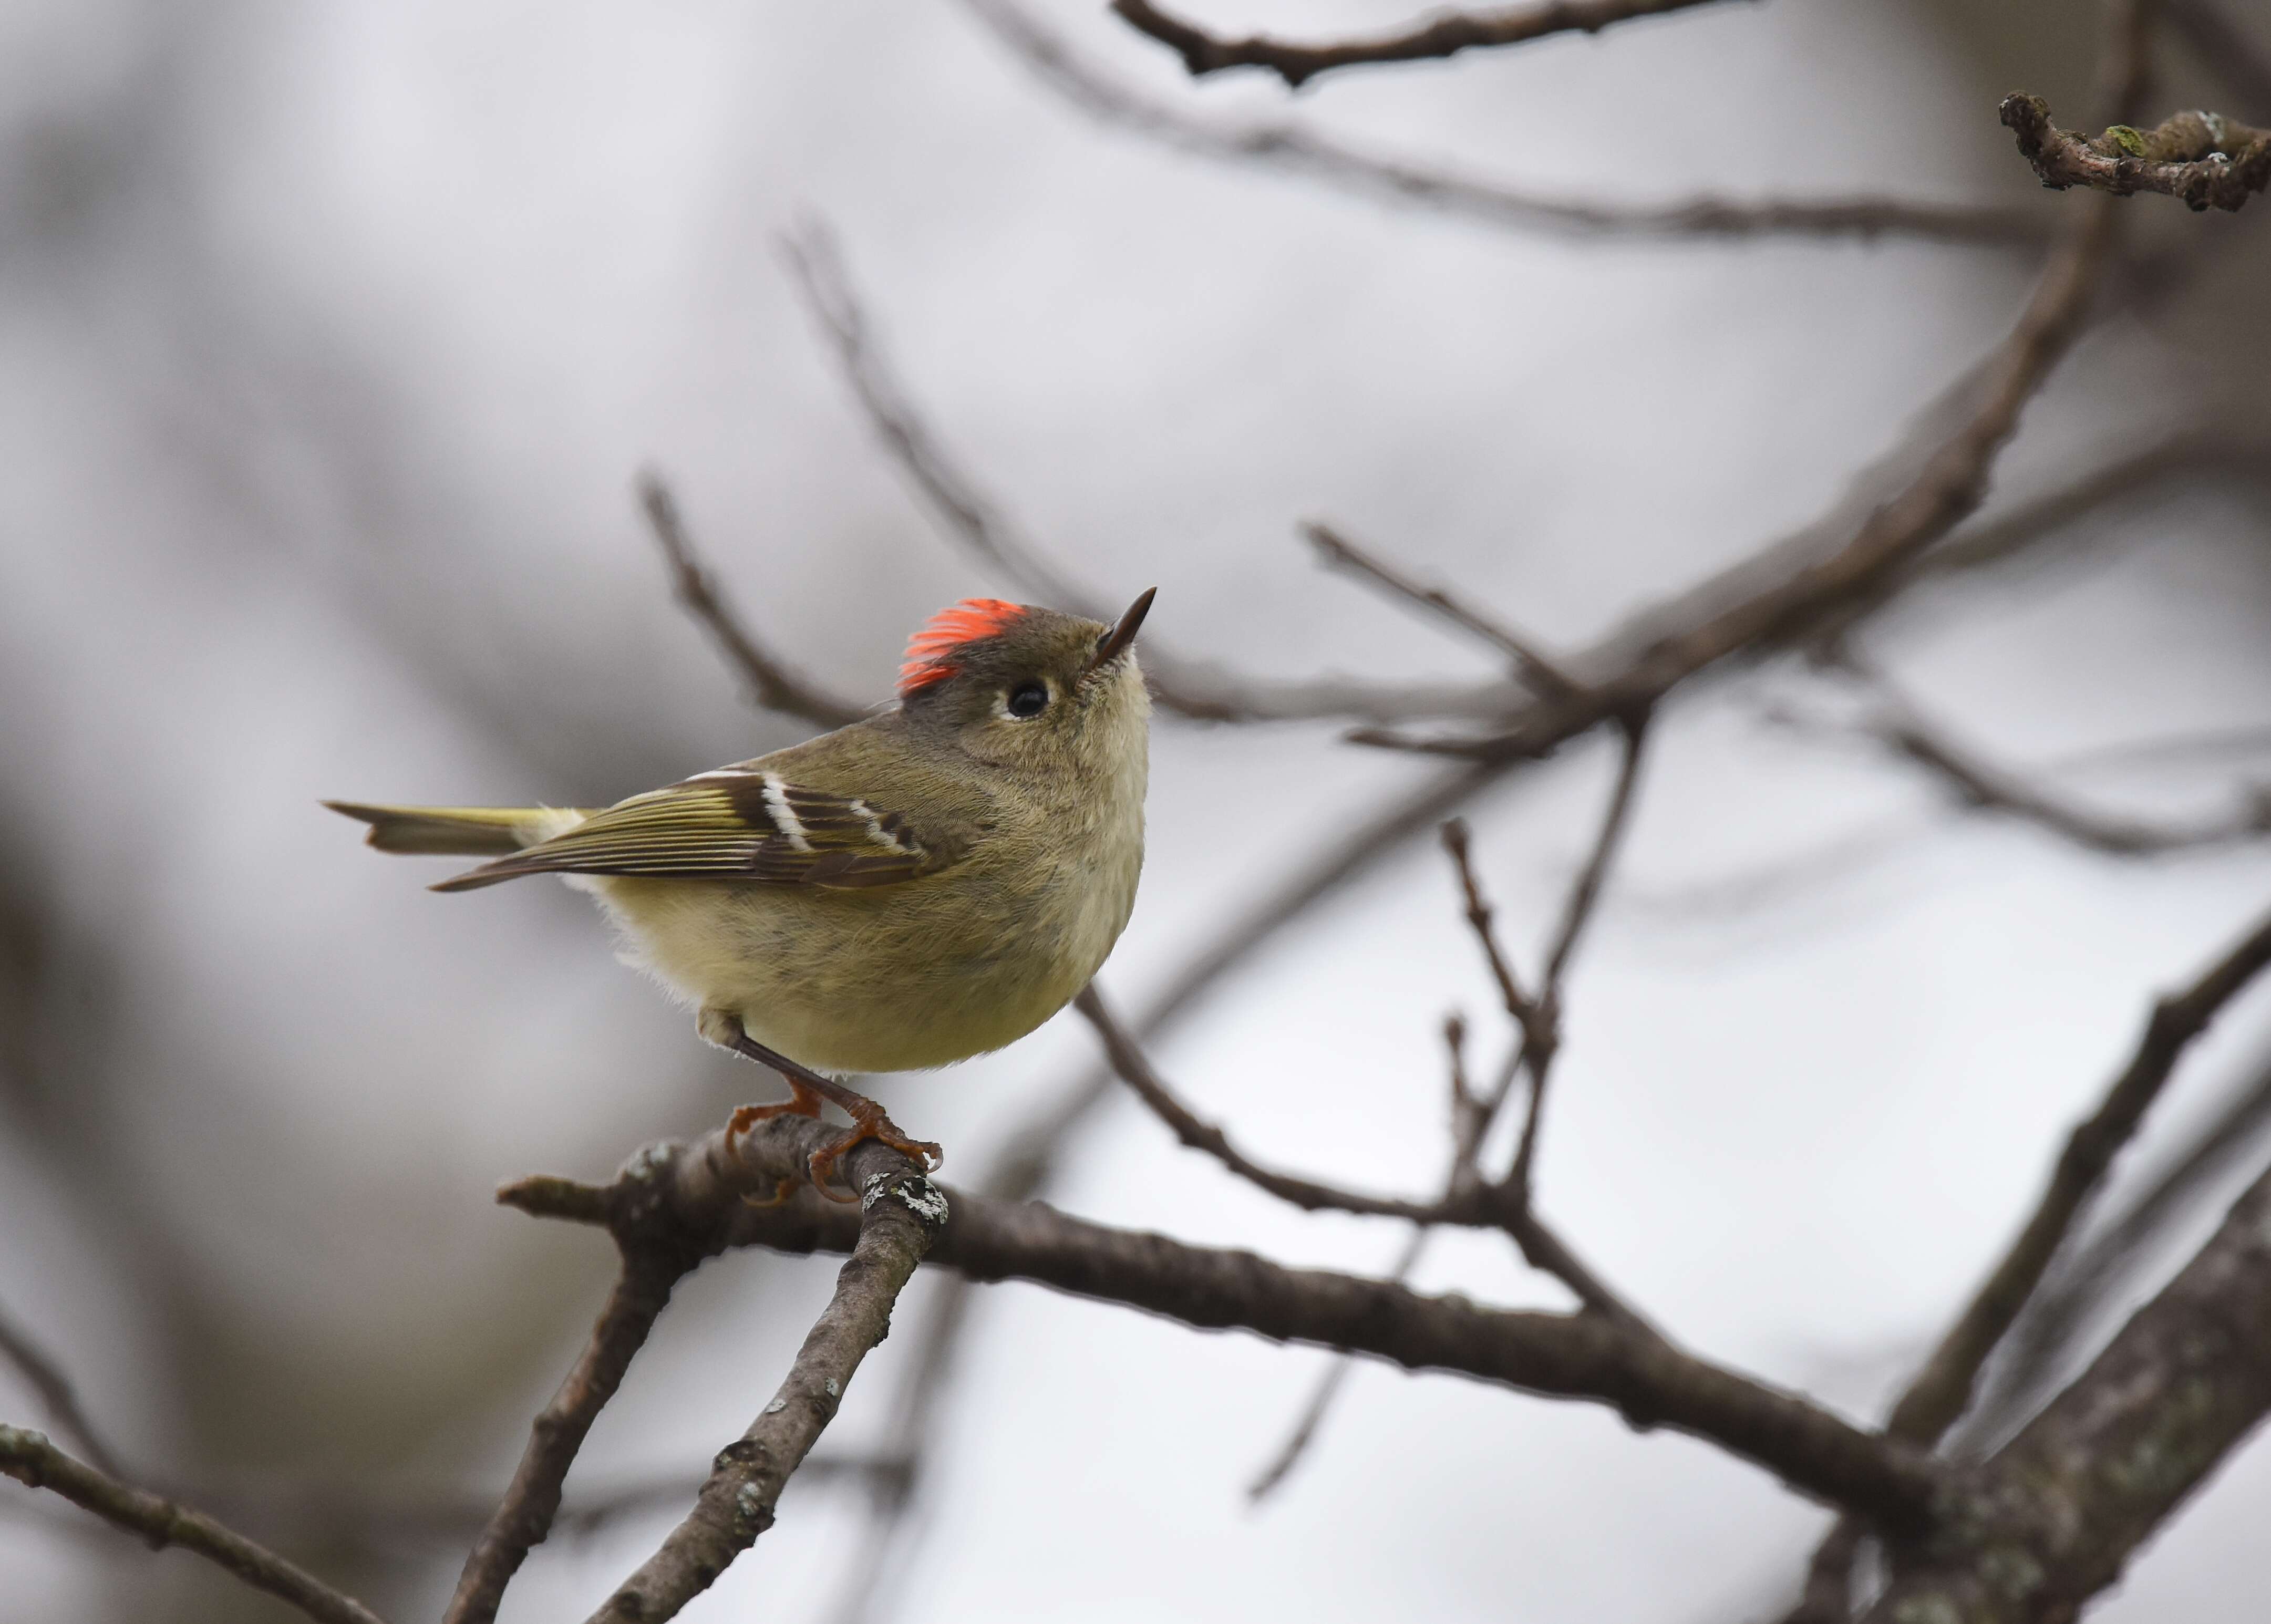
x=457 y=831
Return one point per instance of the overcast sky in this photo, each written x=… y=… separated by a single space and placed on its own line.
x=334 y=337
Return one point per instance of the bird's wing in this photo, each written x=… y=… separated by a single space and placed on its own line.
x=737 y=823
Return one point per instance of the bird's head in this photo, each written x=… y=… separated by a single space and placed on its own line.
x=1025 y=687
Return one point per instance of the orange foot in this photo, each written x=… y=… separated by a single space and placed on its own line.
x=802 y=1102
x=808 y=1089
x=868 y=1122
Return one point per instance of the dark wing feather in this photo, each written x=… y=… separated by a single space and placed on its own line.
x=734 y=823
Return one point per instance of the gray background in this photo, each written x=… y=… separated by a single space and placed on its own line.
x=332 y=337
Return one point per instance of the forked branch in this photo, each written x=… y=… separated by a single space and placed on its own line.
x=1134 y=1069
x=1942 y=1389
x=1630 y=670
x=57 y=1392
x=1576 y=1356
x=2094 y=1476
x=770 y=682
x=1187 y=687
x=1532 y=663
x=901 y=1210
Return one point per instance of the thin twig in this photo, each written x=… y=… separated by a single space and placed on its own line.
x=769 y=680
x=2204 y=158
x=1322 y=1396
x=2179 y=454
x=1535 y=1021
x=1134 y=1069
x=57 y=1393
x=2099 y=1470
x=1478 y=1114
x=1576 y=910
x=28 y=1457
x=1285 y=146
x=901 y=1211
x=2166 y=456
x=1942 y=1389
x=1468 y=1122
x=1990 y=788
x=315 y=1510
x=1456 y=841
x=1531 y=662
x=1187 y=687
x=1444 y=34
x=1660 y=651
x=1540 y=1245
x=2087 y=1272
x=649 y=1272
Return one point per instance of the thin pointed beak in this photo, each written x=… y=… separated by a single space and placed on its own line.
x=1116 y=641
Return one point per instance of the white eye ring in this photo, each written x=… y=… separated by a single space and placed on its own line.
x=1034 y=692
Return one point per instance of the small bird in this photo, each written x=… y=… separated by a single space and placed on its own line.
x=926 y=884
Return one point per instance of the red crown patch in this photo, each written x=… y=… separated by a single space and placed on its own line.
x=931 y=651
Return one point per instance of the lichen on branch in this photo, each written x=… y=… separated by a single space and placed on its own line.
x=2207 y=160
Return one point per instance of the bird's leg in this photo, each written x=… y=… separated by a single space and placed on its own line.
x=868 y=1121
x=808 y=1088
x=723 y=1028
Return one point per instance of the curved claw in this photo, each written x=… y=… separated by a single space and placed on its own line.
x=782 y=1190
x=746 y=1117
x=822 y=1164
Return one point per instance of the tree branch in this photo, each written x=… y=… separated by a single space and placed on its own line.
x=1536 y=1020
x=1574 y=1355
x=652 y=1265
x=28 y=1457
x=1444 y=34
x=57 y=1393
x=1636 y=668
x=2207 y=160
x=1286 y=145
x=767 y=680
x=1585 y=891
x=1134 y=1069
x=1941 y=1392
x=1942 y=1389
x=1190 y=689
x=1990 y=788
x=1457 y=842
x=2087 y=1274
x=1530 y=662
x=2184 y=453
x=1541 y=1044
x=2099 y=1470
x=900 y=1213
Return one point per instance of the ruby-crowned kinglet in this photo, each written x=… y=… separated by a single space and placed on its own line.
x=930 y=883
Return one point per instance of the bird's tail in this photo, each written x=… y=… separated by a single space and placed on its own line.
x=458 y=831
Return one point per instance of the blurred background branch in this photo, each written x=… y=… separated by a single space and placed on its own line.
x=315 y=460
x=1445 y=34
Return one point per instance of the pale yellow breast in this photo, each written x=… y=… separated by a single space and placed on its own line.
x=901 y=979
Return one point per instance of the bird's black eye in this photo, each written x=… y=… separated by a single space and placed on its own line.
x=1028 y=700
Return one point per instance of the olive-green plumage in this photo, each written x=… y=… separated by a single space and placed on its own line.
x=924 y=885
